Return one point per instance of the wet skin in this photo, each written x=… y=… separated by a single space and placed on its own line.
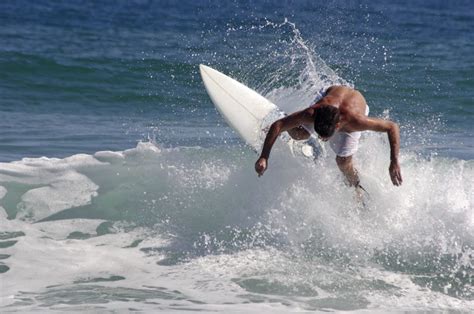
x=352 y=105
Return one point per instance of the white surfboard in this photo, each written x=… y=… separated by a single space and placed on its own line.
x=248 y=112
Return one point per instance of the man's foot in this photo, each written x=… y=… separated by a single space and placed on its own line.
x=362 y=196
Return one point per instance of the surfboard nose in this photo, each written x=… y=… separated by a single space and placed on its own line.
x=243 y=108
x=203 y=68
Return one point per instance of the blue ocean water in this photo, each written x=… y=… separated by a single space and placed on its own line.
x=82 y=77
x=126 y=190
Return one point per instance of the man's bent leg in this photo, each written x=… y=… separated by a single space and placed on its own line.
x=347 y=168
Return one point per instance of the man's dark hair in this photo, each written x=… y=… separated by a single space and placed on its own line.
x=325 y=119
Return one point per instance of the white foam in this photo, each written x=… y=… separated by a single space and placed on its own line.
x=68 y=190
x=3 y=192
x=208 y=175
x=305 y=206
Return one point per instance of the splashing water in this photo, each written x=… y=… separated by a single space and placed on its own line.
x=192 y=228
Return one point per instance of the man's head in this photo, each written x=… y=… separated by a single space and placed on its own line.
x=326 y=118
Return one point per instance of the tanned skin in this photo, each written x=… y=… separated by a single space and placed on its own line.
x=351 y=105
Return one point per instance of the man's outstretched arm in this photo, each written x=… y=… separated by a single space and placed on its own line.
x=393 y=132
x=287 y=123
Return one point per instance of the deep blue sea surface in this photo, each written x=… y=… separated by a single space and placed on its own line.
x=79 y=76
x=121 y=187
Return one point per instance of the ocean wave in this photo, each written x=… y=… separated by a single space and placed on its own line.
x=197 y=192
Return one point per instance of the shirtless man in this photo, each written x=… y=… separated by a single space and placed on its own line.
x=339 y=117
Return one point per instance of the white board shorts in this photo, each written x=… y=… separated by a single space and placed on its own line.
x=346 y=144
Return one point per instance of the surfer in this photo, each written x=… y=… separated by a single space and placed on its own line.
x=338 y=117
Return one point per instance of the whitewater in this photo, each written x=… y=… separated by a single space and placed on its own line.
x=179 y=221
x=191 y=228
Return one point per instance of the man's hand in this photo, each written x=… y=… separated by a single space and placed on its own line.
x=261 y=166
x=395 y=173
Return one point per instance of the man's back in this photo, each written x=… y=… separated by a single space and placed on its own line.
x=350 y=102
x=343 y=110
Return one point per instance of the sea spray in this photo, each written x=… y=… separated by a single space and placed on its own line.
x=184 y=223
